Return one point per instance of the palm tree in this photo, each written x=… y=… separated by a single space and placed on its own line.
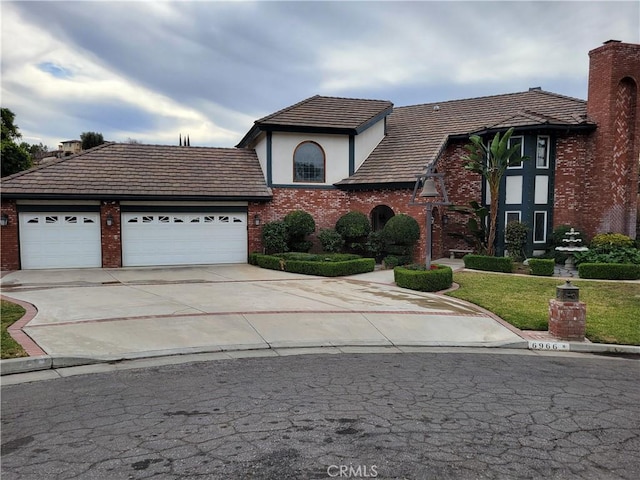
x=491 y=161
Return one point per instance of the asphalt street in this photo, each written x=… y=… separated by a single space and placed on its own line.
x=388 y=416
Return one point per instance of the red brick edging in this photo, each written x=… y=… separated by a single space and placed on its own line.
x=15 y=330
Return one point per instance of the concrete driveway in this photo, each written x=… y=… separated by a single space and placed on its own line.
x=119 y=313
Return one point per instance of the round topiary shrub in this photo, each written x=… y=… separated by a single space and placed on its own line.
x=353 y=226
x=299 y=224
x=401 y=230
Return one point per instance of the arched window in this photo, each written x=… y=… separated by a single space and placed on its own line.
x=308 y=163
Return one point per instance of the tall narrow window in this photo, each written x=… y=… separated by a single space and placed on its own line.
x=514 y=141
x=540 y=227
x=542 y=152
x=308 y=163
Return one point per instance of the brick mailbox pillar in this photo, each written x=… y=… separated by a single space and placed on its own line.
x=567 y=314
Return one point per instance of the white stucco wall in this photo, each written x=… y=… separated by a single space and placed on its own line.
x=336 y=150
x=261 y=152
x=368 y=140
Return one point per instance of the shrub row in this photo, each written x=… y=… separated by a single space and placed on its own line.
x=489 y=264
x=423 y=280
x=609 y=271
x=542 y=266
x=324 y=266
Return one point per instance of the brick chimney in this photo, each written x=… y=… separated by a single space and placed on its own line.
x=613 y=103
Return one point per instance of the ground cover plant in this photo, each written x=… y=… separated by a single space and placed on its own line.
x=523 y=301
x=10 y=313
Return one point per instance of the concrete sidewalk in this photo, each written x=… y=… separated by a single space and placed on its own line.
x=105 y=315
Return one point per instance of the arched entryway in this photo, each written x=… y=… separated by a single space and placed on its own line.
x=380 y=215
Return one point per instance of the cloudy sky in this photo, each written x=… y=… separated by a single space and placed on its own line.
x=150 y=71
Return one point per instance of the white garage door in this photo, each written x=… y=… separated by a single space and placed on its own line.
x=183 y=239
x=60 y=240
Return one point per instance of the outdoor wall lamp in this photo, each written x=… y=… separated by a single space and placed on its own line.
x=109 y=220
x=4 y=220
x=256 y=220
x=429 y=193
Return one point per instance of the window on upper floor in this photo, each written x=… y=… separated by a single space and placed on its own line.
x=308 y=163
x=514 y=141
x=542 y=152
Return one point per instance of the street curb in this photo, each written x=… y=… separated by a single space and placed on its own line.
x=48 y=362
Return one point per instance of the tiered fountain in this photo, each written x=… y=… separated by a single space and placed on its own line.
x=573 y=246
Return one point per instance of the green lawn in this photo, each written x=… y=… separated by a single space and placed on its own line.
x=10 y=312
x=613 y=308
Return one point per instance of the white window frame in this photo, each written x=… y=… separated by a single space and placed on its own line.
x=512 y=141
x=547 y=151
x=544 y=231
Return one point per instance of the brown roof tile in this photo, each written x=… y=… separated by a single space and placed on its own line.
x=328 y=112
x=417 y=134
x=135 y=170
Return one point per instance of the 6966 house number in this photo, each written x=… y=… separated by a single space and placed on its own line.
x=537 y=345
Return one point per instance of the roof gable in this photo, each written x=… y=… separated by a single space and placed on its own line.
x=121 y=170
x=319 y=114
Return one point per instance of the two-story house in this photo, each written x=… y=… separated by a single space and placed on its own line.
x=131 y=204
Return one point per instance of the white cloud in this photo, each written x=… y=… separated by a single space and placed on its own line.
x=36 y=91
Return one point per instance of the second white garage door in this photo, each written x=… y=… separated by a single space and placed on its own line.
x=183 y=239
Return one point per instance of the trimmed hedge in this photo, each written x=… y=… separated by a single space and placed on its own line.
x=424 y=280
x=321 y=265
x=609 y=271
x=542 y=266
x=488 y=264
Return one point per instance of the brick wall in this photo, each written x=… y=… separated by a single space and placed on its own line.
x=328 y=205
x=573 y=155
x=111 y=235
x=9 y=246
x=613 y=104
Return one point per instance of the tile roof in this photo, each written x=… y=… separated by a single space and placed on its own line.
x=417 y=134
x=319 y=114
x=123 y=170
x=328 y=112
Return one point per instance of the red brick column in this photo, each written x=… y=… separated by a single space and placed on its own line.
x=111 y=235
x=9 y=248
x=567 y=320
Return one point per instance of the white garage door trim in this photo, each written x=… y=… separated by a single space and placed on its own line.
x=60 y=240
x=166 y=238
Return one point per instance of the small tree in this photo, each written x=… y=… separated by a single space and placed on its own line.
x=15 y=157
x=491 y=161
x=91 y=139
